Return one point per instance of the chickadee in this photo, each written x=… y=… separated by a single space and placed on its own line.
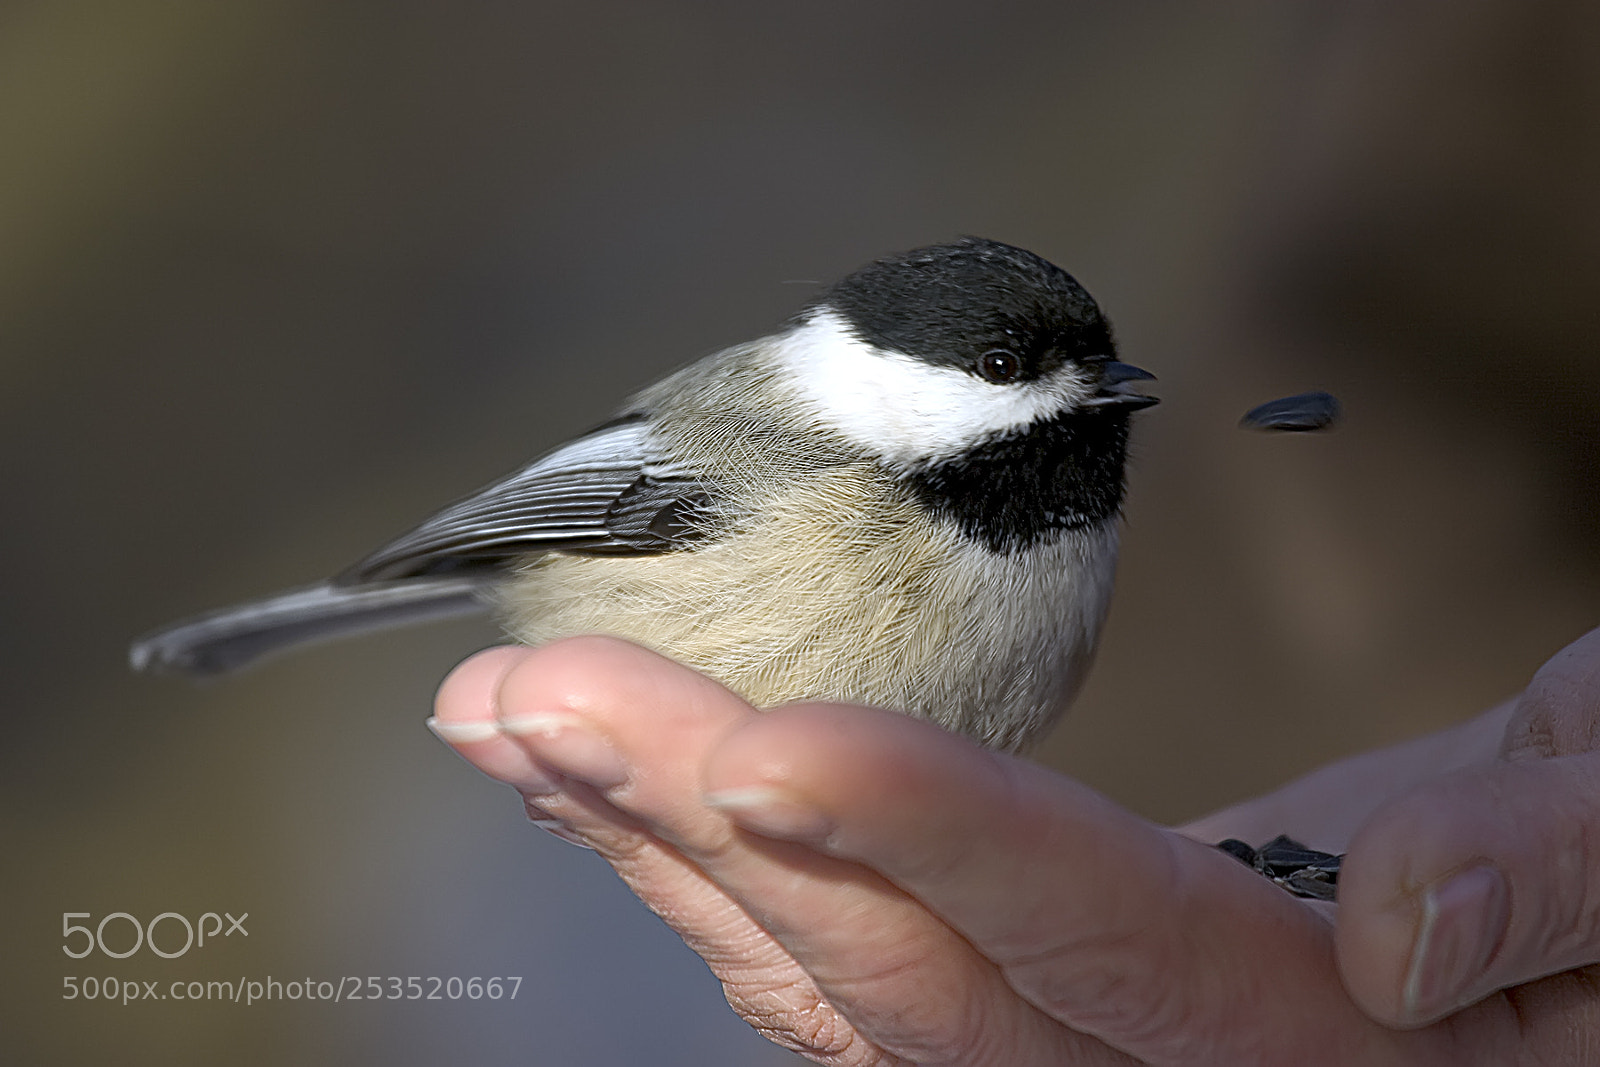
x=908 y=496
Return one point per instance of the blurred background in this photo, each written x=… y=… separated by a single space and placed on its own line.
x=277 y=279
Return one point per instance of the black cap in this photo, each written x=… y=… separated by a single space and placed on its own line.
x=955 y=303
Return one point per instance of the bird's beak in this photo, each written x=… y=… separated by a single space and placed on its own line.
x=1115 y=390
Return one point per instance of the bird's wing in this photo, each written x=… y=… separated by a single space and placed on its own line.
x=610 y=492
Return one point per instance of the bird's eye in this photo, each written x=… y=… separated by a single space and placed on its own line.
x=1000 y=366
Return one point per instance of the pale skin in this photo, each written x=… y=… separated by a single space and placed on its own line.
x=873 y=891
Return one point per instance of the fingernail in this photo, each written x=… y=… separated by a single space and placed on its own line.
x=532 y=780
x=1464 y=919
x=567 y=744
x=557 y=828
x=771 y=812
x=459 y=733
x=552 y=825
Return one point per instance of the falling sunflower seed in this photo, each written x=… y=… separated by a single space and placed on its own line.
x=1301 y=413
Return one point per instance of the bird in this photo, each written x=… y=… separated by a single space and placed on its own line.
x=908 y=495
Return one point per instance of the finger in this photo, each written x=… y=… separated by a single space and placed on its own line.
x=762 y=981
x=1477 y=882
x=464 y=717
x=906 y=983
x=1559 y=713
x=1162 y=947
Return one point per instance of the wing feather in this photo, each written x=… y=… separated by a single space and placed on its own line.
x=599 y=493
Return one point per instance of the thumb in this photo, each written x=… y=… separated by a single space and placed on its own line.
x=1476 y=882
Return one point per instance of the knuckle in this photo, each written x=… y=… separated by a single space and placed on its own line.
x=1559 y=712
x=1533 y=732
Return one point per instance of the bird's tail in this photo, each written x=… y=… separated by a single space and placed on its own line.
x=225 y=640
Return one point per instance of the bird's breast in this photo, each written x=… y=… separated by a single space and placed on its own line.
x=845 y=590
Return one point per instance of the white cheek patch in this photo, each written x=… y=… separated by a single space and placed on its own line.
x=906 y=410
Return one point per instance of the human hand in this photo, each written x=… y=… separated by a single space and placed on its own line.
x=1511 y=804
x=872 y=890
x=1488 y=878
